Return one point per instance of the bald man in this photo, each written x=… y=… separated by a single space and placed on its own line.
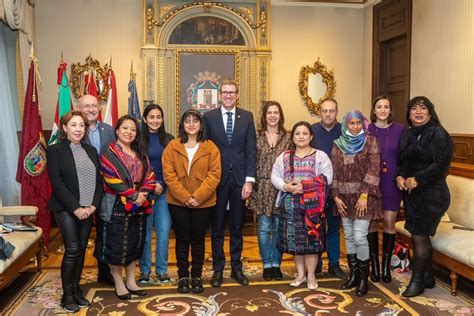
x=100 y=135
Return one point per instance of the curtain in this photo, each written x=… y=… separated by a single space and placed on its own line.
x=9 y=148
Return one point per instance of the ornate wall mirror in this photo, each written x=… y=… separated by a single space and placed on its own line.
x=91 y=72
x=316 y=84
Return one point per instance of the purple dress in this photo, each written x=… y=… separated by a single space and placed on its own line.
x=389 y=139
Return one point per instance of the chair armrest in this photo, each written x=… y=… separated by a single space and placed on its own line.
x=18 y=210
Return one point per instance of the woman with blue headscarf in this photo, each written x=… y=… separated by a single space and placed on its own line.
x=355 y=189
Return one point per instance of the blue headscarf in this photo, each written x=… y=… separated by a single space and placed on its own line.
x=351 y=144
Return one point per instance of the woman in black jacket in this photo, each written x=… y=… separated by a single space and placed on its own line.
x=74 y=173
x=426 y=150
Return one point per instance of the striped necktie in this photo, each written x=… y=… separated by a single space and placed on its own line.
x=228 y=129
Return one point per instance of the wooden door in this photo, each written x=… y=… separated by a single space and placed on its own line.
x=391 y=53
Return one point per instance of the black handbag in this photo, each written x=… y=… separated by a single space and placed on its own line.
x=6 y=249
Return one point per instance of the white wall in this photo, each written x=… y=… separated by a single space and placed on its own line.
x=442 y=60
x=102 y=28
x=301 y=34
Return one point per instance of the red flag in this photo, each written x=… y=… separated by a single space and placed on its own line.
x=31 y=172
x=92 y=90
x=111 y=111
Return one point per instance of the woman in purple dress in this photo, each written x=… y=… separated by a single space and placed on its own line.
x=388 y=134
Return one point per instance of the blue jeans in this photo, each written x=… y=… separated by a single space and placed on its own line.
x=333 y=247
x=268 y=240
x=160 y=219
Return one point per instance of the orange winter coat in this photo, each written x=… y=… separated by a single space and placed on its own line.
x=203 y=177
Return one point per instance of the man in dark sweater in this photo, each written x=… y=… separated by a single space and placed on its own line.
x=325 y=132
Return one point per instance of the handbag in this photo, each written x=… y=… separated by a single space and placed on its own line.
x=400 y=261
x=6 y=249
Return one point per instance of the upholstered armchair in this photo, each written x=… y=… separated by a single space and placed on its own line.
x=28 y=244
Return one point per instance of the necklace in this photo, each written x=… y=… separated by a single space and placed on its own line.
x=272 y=139
x=384 y=166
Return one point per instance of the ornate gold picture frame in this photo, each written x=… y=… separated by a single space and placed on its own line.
x=316 y=84
x=198 y=73
x=79 y=73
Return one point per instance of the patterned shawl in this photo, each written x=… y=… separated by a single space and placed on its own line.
x=119 y=181
x=313 y=200
x=348 y=143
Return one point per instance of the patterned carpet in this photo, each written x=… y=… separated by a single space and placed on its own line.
x=42 y=294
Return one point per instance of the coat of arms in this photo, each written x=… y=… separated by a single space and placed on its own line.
x=203 y=94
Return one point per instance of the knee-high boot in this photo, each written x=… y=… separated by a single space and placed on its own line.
x=353 y=279
x=429 y=280
x=387 y=247
x=373 y=239
x=417 y=282
x=363 y=286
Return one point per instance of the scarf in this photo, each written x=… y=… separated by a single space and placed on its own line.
x=313 y=200
x=118 y=180
x=351 y=144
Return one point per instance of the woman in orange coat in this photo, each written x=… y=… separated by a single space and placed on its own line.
x=192 y=171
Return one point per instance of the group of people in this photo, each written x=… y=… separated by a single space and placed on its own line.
x=132 y=179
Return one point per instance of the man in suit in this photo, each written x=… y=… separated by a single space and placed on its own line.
x=100 y=135
x=233 y=131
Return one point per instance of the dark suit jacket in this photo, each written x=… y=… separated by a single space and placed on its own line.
x=63 y=177
x=106 y=134
x=242 y=152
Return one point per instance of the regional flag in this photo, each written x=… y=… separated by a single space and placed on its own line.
x=91 y=88
x=111 y=111
x=133 y=104
x=63 y=104
x=31 y=171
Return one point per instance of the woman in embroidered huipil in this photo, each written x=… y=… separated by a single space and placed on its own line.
x=129 y=184
x=272 y=140
x=356 y=161
x=388 y=134
x=302 y=174
x=74 y=173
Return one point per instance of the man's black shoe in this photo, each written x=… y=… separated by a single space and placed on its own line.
x=268 y=274
x=216 y=279
x=196 y=285
x=337 y=272
x=277 y=275
x=107 y=279
x=239 y=277
x=183 y=285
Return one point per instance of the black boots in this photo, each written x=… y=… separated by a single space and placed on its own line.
x=417 y=282
x=387 y=247
x=373 y=239
x=429 y=280
x=79 y=296
x=363 y=285
x=353 y=279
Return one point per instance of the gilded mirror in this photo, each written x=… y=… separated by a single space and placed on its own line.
x=316 y=84
x=82 y=74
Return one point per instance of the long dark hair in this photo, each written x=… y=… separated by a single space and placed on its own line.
x=373 y=117
x=263 y=117
x=136 y=144
x=201 y=136
x=162 y=136
x=422 y=100
x=293 y=146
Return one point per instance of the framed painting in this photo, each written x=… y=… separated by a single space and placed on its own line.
x=199 y=73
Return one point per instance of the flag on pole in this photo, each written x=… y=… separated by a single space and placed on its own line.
x=111 y=111
x=31 y=171
x=92 y=90
x=133 y=104
x=63 y=104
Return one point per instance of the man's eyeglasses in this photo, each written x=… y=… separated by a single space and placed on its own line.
x=332 y=111
x=228 y=92
x=90 y=106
